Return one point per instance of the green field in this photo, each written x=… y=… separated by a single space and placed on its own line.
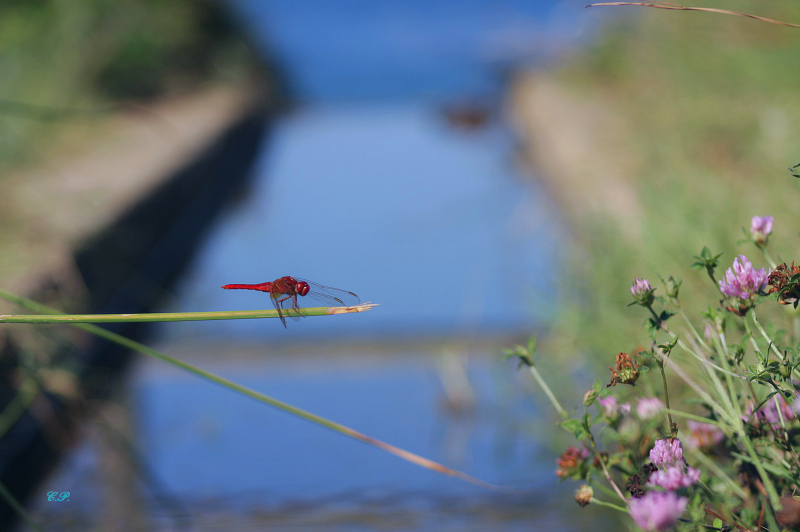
x=710 y=119
x=67 y=65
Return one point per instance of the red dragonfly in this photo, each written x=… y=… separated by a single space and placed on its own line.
x=284 y=293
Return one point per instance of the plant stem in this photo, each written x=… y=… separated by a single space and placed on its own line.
x=718 y=471
x=796 y=327
x=691 y=327
x=767 y=256
x=605 y=469
x=17 y=506
x=25 y=395
x=766 y=337
x=608 y=505
x=666 y=395
x=171 y=316
x=336 y=427
x=540 y=381
x=772 y=494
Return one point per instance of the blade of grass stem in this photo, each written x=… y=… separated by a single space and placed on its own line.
x=608 y=505
x=15 y=408
x=172 y=316
x=695 y=335
x=766 y=337
x=722 y=426
x=543 y=385
x=694 y=352
x=767 y=467
x=736 y=421
x=258 y=396
x=696 y=387
x=719 y=473
x=17 y=506
x=729 y=397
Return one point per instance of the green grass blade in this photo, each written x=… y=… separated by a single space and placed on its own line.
x=167 y=316
x=258 y=396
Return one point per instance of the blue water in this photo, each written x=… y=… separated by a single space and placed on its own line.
x=214 y=442
x=366 y=187
x=233 y=463
x=387 y=202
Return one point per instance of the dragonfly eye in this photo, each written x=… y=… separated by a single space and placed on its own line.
x=302 y=288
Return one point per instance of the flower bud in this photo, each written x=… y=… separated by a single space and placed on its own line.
x=584 y=494
x=589 y=397
x=642 y=292
x=785 y=369
x=673 y=286
x=760 y=229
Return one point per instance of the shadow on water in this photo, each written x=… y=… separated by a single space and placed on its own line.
x=126 y=268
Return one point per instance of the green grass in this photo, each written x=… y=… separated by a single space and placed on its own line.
x=57 y=57
x=712 y=118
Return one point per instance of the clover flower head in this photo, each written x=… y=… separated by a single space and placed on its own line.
x=675 y=477
x=649 y=407
x=742 y=280
x=657 y=511
x=640 y=287
x=613 y=412
x=642 y=292
x=667 y=451
x=760 y=228
x=609 y=405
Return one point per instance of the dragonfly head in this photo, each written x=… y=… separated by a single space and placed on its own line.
x=302 y=288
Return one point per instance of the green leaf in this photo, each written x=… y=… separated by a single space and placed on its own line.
x=576 y=427
x=532 y=347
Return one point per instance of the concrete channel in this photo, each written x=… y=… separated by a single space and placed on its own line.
x=171 y=185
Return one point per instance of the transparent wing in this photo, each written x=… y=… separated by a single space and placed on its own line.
x=327 y=296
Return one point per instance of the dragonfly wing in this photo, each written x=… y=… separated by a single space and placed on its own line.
x=316 y=299
x=329 y=296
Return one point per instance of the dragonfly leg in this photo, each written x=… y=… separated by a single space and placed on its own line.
x=277 y=302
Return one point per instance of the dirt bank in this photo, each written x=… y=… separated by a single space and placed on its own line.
x=573 y=140
x=48 y=209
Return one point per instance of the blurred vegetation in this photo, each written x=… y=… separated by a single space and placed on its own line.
x=712 y=115
x=64 y=61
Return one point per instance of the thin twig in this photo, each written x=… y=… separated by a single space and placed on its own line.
x=676 y=7
x=605 y=469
